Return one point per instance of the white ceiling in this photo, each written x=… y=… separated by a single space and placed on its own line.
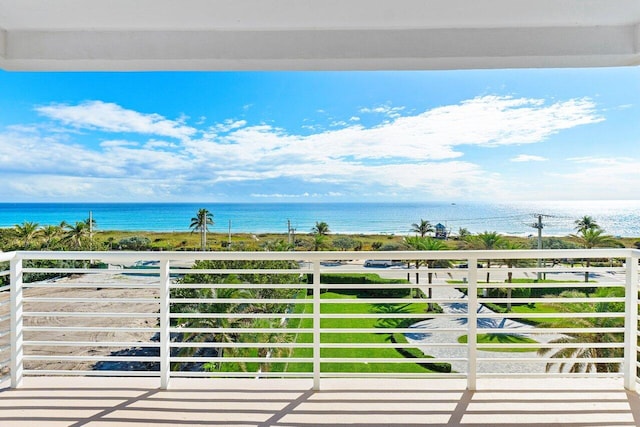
x=316 y=34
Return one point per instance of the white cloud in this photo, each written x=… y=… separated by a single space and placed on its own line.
x=408 y=155
x=228 y=125
x=111 y=117
x=279 y=196
x=597 y=178
x=387 y=110
x=528 y=158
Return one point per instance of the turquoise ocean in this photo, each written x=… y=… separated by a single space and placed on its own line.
x=619 y=218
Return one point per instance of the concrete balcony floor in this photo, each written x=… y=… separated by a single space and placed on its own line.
x=88 y=401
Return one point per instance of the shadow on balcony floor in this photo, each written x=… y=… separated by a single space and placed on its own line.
x=53 y=401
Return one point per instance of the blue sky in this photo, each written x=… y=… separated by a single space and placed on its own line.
x=496 y=135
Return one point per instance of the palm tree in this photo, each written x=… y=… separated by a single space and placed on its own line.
x=51 y=233
x=186 y=322
x=590 y=238
x=77 y=235
x=422 y=228
x=201 y=223
x=26 y=232
x=487 y=240
x=586 y=223
x=587 y=353
x=320 y=228
x=319 y=241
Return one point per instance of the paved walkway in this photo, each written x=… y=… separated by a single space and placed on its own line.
x=485 y=364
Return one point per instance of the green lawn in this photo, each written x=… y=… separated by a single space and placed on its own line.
x=348 y=337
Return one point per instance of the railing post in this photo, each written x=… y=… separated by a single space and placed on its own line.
x=17 y=337
x=165 y=336
x=316 y=325
x=472 y=323
x=631 y=324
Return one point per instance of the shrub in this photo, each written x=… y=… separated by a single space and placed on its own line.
x=134 y=243
x=415 y=353
x=369 y=278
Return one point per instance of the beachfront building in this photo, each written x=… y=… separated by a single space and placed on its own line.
x=116 y=35
x=440 y=231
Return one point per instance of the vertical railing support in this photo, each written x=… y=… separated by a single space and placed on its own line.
x=472 y=323
x=316 y=325
x=631 y=324
x=17 y=337
x=165 y=336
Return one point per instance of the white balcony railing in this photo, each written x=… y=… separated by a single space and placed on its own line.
x=156 y=314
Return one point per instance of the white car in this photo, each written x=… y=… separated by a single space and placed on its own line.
x=378 y=263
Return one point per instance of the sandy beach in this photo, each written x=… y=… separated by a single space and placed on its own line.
x=66 y=304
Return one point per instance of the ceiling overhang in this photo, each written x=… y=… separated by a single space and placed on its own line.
x=123 y=35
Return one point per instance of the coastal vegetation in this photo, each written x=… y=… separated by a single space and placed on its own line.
x=201 y=223
x=80 y=236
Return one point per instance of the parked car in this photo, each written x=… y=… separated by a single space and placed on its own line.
x=379 y=263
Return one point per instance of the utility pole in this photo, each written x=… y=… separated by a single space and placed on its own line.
x=229 y=245
x=291 y=235
x=91 y=230
x=539 y=225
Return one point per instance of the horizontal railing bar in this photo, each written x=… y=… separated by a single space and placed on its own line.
x=192 y=344
x=240 y=316
x=309 y=256
x=87 y=329
x=368 y=287
x=369 y=300
x=87 y=314
x=4 y=333
x=552 y=300
x=7 y=256
x=238 y=301
x=240 y=330
x=69 y=372
x=194 y=374
x=388 y=330
x=391 y=345
x=550 y=375
x=197 y=359
x=371 y=360
x=551 y=330
x=507 y=285
x=67 y=270
x=5 y=318
x=105 y=358
x=241 y=286
x=5 y=347
x=563 y=315
x=391 y=315
x=310 y=330
x=558 y=360
x=399 y=375
x=94 y=300
x=550 y=345
x=65 y=285
x=227 y=271
x=92 y=344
